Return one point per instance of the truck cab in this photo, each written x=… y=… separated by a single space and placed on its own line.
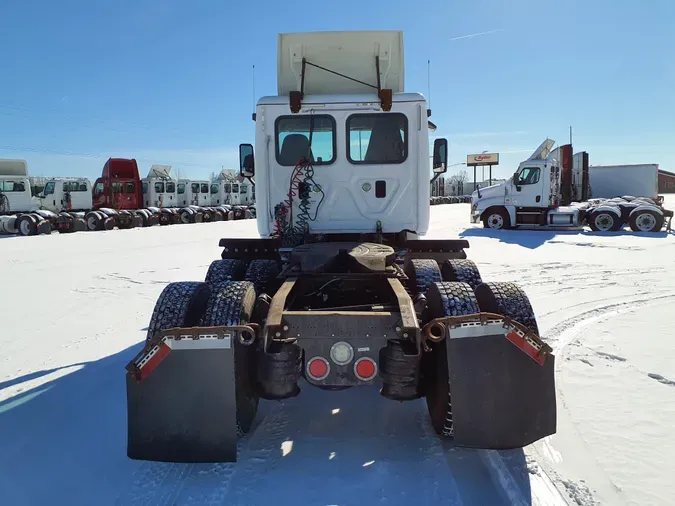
x=119 y=186
x=366 y=151
x=192 y=193
x=67 y=194
x=523 y=199
x=15 y=190
x=545 y=192
x=159 y=188
x=236 y=193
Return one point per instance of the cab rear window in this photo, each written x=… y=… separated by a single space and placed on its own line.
x=293 y=139
x=377 y=139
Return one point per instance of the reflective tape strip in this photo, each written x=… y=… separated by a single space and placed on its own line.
x=152 y=360
x=527 y=345
x=205 y=342
x=476 y=329
x=498 y=327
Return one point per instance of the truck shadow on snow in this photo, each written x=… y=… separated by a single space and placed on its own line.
x=65 y=440
x=532 y=238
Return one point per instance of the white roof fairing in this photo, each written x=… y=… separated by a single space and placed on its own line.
x=543 y=150
x=351 y=54
x=160 y=172
x=13 y=168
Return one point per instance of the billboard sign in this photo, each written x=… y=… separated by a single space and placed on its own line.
x=482 y=159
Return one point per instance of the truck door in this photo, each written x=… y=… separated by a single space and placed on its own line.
x=365 y=170
x=76 y=196
x=243 y=194
x=227 y=193
x=182 y=197
x=235 y=194
x=215 y=194
x=98 y=194
x=204 y=194
x=49 y=200
x=527 y=188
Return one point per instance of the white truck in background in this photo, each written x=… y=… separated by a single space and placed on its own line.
x=54 y=209
x=235 y=193
x=66 y=194
x=555 y=189
x=68 y=204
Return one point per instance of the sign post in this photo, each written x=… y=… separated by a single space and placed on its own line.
x=481 y=160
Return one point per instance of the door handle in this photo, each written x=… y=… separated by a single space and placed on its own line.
x=538 y=198
x=380 y=189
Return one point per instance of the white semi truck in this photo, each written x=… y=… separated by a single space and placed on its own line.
x=58 y=207
x=235 y=193
x=68 y=204
x=339 y=290
x=542 y=191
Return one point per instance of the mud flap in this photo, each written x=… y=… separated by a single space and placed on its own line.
x=502 y=386
x=181 y=404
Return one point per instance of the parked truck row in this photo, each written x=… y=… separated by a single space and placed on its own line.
x=120 y=198
x=558 y=189
x=447 y=199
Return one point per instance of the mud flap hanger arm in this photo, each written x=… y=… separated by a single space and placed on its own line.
x=159 y=346
x=519 y=335
x=385 y=95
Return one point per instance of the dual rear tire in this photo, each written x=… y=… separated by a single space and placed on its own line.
x=460 y=292
x=193 y=304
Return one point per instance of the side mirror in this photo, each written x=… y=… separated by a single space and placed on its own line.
x=440 y=158
x=246 y=160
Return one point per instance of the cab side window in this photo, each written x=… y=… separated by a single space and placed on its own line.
x=529 y=175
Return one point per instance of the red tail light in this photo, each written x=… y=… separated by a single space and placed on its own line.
x=365 y=369
x=318 y=368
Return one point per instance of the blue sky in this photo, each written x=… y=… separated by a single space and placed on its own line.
x=170 y=81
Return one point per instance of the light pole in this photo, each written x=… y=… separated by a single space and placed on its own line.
x=482 y=153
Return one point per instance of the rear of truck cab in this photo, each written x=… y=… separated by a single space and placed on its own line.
x=357 y=183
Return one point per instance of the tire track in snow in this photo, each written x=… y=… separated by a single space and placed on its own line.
x=202 y=483
x=561 y=335
x=360 y=455
x=211 y=483
x=564 y=332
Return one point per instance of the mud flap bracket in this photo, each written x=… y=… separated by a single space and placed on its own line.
x=501 y=379
x=181 y=401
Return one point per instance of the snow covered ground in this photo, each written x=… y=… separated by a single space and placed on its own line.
x=73 y=309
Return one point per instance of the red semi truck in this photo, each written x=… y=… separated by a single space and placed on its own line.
x=120 y=198
x=117 y=198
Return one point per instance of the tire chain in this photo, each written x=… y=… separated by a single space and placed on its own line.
x=457 y=299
